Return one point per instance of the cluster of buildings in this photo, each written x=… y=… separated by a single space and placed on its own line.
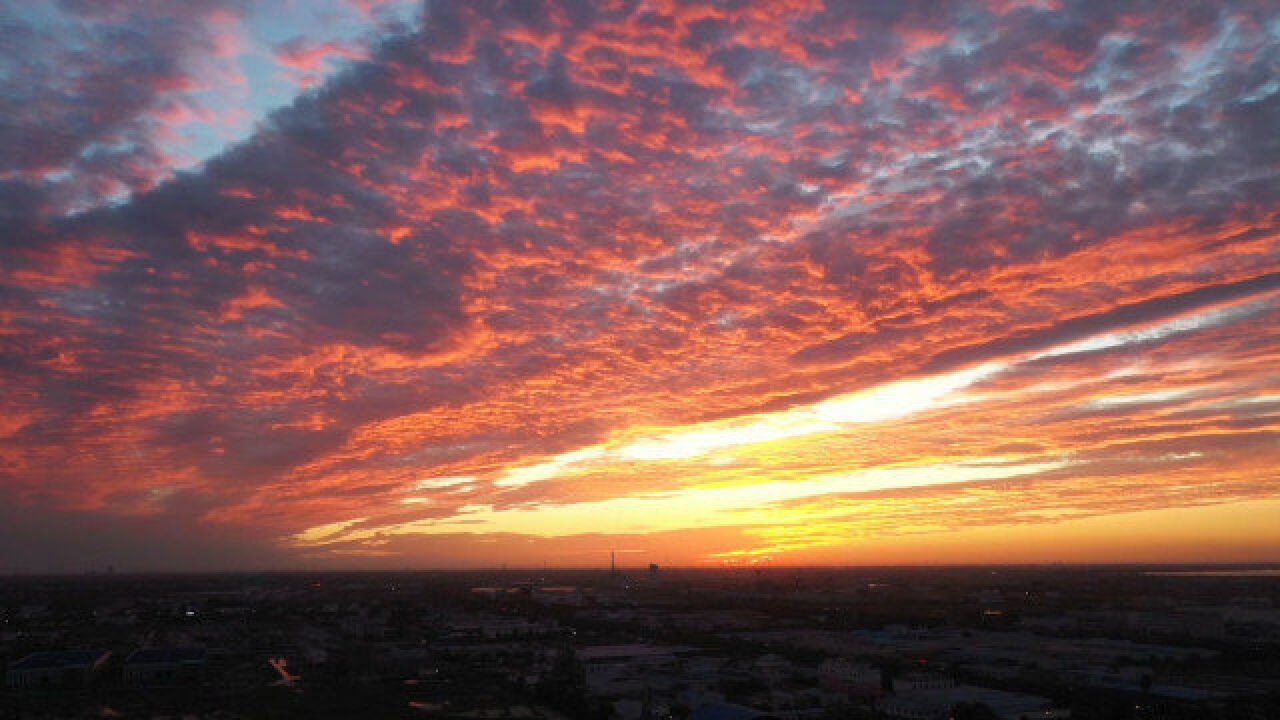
x=703 y=646
x=78 y=668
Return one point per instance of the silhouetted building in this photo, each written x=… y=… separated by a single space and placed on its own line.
x=940 y=703
x=63 y=668
x=164 y=666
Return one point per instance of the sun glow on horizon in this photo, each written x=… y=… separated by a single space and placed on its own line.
x=726 y=495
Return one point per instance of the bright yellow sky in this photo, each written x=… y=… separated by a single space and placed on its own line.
x=983 y=464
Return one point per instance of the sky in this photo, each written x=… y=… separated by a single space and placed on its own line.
x=378 y=284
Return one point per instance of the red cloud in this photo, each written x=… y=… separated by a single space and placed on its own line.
x=582 y=262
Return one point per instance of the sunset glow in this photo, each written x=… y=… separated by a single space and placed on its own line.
x=384 y=284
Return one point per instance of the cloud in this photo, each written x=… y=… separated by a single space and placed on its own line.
x=582 y=254
x=88 y=90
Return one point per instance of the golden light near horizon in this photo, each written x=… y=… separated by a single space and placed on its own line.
x=715 y=489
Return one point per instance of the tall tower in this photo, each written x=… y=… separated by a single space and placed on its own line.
x=613 y=563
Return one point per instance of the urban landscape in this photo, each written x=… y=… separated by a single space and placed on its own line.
x=648 y=643
x=640 y=359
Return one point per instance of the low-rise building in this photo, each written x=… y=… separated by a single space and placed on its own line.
x=915 y=681
x=617 y=670
x=849 y=680
x=61 y=668
x=728 y=711
x=164 y=666
x=939 y=704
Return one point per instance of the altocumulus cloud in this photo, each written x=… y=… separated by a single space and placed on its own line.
x=614 y=255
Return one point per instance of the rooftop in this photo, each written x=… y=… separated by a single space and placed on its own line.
x=59 y=659
x=617 y=652
x=166 y=655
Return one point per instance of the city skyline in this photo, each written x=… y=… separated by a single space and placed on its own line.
x=368 y=285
